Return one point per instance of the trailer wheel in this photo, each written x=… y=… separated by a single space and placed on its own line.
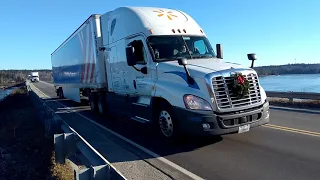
x=60 y=93
x=93 y=102
x=167 y=122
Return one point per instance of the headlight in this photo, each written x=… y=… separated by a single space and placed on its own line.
x=194 y=102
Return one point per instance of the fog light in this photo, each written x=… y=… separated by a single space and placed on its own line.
x=206 y=126
x=268 y=114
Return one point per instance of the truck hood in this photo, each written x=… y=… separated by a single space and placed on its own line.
x=200 y=67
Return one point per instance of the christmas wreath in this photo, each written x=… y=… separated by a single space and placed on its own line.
x=240 y=85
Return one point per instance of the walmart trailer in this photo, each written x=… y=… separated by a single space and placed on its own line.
x=77 y=63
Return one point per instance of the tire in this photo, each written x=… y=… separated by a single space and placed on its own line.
x=167 y=123
x=93 y=102
x=60 y=92
x=101 y=102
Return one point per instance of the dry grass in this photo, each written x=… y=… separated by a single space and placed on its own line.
x=22 y=90
x=61 y=171
x=25 y=152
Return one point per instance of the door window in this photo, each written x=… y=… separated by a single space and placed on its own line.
x=140 y=52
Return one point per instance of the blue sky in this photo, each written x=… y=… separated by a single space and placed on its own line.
x=277 y=31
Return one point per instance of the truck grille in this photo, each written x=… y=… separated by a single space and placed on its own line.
x=226 y=99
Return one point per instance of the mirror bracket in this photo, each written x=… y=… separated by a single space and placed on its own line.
x=183 y=62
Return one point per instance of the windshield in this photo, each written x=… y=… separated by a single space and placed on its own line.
x=166 y=48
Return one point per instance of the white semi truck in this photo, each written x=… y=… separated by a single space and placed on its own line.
x=34 y=77
x=156 y=66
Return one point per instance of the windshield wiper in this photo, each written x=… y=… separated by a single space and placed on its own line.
x=166 y=59
x=203 y=56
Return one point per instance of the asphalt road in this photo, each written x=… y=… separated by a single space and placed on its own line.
x=287 y=148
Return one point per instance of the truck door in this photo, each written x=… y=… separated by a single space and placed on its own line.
x=142 y=82
x=118 y=77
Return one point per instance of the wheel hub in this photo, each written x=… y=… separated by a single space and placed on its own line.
x=166 y=124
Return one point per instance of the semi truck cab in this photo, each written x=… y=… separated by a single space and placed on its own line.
x=164 y=61
x=34 y=77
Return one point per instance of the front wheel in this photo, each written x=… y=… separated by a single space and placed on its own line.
x=167 y=122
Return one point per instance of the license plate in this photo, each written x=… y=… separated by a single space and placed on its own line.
x=244 y=128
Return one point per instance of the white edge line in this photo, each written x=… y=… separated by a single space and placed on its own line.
x=75 y=132
x=162 y=159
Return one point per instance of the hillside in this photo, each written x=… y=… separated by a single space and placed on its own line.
x=288 y=69
x=8 y=77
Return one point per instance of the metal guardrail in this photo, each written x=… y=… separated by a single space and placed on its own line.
x=294 y=95
x=67 y=141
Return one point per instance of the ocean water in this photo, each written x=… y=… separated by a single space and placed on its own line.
x=4 y=93
x=293 y=82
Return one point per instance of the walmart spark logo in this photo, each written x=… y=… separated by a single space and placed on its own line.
x=169 y=14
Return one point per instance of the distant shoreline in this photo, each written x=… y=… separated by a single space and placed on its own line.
x=289 y=69
x=4 y=87
x=286 y=74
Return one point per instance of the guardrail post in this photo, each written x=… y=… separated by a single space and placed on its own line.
x=82 y=174
x=291 y=100
x=64 y=145
x=101 y=172
x=70 y=140
x=58 y=148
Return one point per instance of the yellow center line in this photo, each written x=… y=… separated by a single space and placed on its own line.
x=300 y=131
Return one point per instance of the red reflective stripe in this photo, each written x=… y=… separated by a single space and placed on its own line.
x=92 y=72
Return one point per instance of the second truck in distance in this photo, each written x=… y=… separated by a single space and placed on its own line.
x=156 y=65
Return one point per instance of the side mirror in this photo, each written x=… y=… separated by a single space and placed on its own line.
x=252 y=57
x=131 y=59
x=219 y=51
x=182 y=61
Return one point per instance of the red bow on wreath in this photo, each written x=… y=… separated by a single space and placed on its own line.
x=240 y=86
x=240 y=80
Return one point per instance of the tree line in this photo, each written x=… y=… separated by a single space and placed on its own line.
x=288 y=69
x=17 y=76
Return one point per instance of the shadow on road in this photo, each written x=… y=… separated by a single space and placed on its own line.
x=141 y=134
